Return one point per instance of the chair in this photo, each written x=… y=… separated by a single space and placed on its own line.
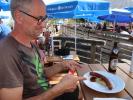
x=56 y=44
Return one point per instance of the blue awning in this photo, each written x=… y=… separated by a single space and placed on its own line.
x=5 y=6
x=130 y=9
x=76 y=8
x=118 y=15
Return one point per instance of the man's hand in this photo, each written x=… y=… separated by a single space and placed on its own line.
x=71 y=64
x=69 y=82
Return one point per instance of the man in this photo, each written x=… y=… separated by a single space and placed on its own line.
x=21 y=73
x=4 y=29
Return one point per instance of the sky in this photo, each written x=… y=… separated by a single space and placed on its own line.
x=48 y=1
x=121 y=3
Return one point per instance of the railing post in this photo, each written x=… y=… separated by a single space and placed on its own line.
x=93 y=51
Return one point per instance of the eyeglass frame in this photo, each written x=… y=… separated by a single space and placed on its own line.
x=40 y=19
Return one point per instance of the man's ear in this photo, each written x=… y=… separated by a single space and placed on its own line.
x=18 y=17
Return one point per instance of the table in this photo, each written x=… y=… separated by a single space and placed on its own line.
x=56 y=78
x=59 y=59
x=54 y=59
x=122 y=71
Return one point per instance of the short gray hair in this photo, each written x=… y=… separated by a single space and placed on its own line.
x=20 y=4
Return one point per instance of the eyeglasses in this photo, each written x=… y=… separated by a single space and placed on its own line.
x=40 y=19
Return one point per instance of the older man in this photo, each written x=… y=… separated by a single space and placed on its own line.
x=21 y=71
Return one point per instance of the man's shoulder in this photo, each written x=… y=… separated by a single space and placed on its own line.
x=7 y=44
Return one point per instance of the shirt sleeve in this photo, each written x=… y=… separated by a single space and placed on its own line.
x=11 y=75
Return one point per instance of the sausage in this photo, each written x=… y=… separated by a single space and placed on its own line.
x=93 y=79
x=107 y=82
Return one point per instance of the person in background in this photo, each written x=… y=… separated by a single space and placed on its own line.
x=43 y=43
x=99 y=26
x=47 y=43
x=56 y=28
x=4 y=29
x=123 y=30
x=104 y=28
x=22 y=75
x=40 y=43
x=117 y=28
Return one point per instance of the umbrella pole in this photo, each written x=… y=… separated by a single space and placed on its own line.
x=52 y=43
x=114 y=27
x=66 y=28
x=75 y=36
x=130 y=24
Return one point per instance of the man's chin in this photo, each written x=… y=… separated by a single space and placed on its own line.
x=38 y=34
x=35 y=36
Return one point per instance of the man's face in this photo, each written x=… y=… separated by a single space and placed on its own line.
x=35 y=20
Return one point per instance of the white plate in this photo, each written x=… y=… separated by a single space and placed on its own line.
x=117 y=82
x=68 y=57
x=108 y=99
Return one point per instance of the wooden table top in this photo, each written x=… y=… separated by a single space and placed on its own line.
x=56 y=78
x=59 y=59
x=54 y=59
x=122 y=72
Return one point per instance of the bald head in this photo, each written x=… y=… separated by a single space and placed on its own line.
x=31 y=14
x=25 y=5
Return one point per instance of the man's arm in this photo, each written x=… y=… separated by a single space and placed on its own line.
x=64 y=65
x=50 y=94
x=11 y=93
x=67 y=84
x=16 y=93
x=56 y=68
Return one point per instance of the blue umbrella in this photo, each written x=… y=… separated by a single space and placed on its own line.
x=118 y=15
x=130 y=9
x=3 y=17
x=93 y=19
x=4 y=5
x=74 y=8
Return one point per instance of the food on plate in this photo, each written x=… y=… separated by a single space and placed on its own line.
x=98 y=80
x=101 y=79
x=93 y=79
